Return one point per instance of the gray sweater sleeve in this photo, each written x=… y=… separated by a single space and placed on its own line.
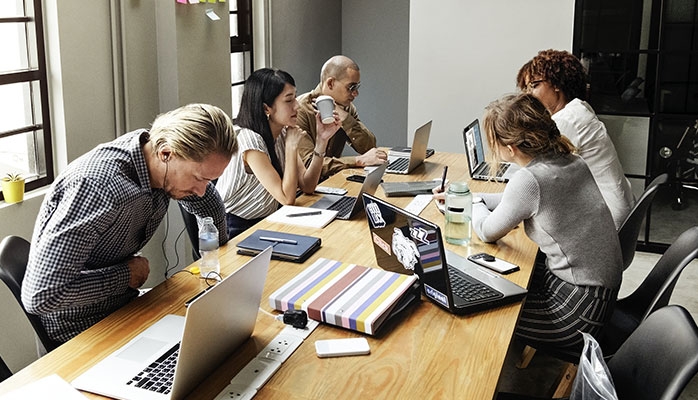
x=519 y=201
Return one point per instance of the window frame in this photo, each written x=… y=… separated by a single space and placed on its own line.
x=242 y=43
x=33 y=20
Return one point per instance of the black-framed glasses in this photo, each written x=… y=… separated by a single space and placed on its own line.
x=534 y=84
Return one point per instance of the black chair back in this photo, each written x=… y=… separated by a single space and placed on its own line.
x=14 y=254
x=659 y=358
x=4 y=370
x=629 y=231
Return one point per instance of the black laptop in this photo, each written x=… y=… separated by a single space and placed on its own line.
x=408 y=244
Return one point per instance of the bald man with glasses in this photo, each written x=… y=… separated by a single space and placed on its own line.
x=340 y=78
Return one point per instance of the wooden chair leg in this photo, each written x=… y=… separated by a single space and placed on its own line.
x=565 y=380
x=526 y=357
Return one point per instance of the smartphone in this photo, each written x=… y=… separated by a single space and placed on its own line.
x=356 y=178
x=342 y=347
x=493 y=263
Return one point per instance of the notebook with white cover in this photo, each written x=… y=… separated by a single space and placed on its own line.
x=215 y=324
x=302 y=216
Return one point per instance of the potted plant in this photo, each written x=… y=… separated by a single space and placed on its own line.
x=13 y=188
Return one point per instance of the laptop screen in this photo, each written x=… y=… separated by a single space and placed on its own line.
x=474 y=149
x=408 y=244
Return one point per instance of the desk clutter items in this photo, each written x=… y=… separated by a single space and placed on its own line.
x=302 y=216
x=347 y=295
x=286 y=246
x=409 y=188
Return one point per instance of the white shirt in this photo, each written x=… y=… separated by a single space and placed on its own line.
x=580 y=124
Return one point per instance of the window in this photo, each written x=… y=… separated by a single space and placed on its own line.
x=25 y=135
x=240 y=47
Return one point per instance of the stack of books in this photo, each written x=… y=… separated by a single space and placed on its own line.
x=347 y=295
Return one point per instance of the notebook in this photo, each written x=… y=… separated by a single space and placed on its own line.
x=348 y=206
x=215 y=324
x=418 y=152
x=475 y=155
x=287 y=246
x=408 y=244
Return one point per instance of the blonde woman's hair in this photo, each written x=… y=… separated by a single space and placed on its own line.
x=194 y=131
x=521 y=120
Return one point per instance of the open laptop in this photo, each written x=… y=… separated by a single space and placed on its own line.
x=475 y=154
x=216 y=323
x=408 y=244
x=348 y=206
x=418 y=152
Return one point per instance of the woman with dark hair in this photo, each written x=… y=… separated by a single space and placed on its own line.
x=578 y=272
x=267 y=170
x=558 y=79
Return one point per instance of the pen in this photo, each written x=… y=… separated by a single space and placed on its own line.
x=303 y=214
x=443 y=178
x=277 y=240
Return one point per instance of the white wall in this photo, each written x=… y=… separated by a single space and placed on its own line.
x=464 y=54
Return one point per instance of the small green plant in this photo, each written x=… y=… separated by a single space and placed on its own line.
x=10 y=177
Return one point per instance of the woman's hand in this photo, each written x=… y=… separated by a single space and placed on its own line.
x=326 y=131
x=294 y=135
x=439 y=195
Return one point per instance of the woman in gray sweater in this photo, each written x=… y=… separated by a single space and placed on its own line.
x=578 y=272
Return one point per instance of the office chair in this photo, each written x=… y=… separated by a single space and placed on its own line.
x=653 y=293
x=4 y=370
x=14 y=254
x=192 y=227
x=629 y=231
x=655 y=363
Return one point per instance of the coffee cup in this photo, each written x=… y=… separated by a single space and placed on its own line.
x=325 y=104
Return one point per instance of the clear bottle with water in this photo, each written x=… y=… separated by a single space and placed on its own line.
x=209 y=266
x=458 y=213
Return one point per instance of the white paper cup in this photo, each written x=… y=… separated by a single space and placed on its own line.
x=325 y=104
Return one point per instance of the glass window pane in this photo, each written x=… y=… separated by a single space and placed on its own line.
x=233 y=5
x=15 y=106
x=13 y=47
x=233 y=25
x=12 y=8
x=237 y=67
x=237 y=96
x=15 y=154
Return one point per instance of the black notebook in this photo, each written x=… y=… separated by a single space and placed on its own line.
x=286 y=246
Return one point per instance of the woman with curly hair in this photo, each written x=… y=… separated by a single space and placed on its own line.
x=559 y=81
x=578 y=272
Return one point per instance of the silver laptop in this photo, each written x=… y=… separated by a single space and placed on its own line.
x=407 y=244
x=348 y=206
x=475 y=154
x=216 y=323
x=418 y=152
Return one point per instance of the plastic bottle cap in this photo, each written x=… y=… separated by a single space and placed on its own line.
x=458 y=187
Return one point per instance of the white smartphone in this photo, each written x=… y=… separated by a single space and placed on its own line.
x=342 y=347
x=493 y=263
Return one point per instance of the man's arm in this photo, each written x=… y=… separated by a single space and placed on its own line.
x=65 y=237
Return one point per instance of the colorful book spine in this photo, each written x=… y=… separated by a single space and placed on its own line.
x=347 y=295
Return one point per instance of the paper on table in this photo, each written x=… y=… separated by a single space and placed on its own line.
x=313 y=221
x=50 y=387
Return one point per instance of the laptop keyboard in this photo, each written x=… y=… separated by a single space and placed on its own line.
x=399 y=164
x=343 y=206
x=470 y=289
x=158 y=376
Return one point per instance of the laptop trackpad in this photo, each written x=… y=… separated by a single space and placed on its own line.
x=326 y=201
x=142 y=349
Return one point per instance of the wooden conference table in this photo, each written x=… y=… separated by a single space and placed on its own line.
x=426 y=353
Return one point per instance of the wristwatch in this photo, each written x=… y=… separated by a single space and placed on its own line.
x=321 y=155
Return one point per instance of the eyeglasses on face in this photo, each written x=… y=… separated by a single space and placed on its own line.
x=353 y=87
x=534 y=84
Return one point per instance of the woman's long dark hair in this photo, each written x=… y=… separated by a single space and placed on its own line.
x=262 y=87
